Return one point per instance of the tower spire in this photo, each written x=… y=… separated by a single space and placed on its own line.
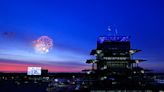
x=112 y=30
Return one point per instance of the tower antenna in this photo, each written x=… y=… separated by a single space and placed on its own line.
x=113 y=30
x=109 y=29
x=116 y=32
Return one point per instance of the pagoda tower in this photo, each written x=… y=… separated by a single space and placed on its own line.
x=113 y=64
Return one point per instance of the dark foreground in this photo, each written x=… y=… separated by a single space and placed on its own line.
x=70 y=82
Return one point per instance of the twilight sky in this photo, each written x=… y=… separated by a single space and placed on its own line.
x=74 y=26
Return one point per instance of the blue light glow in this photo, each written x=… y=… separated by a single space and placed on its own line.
x=113 y=39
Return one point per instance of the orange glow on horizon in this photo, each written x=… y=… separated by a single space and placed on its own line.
x=13 y=67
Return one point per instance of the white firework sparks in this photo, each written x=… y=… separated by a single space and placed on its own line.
x=43 y=44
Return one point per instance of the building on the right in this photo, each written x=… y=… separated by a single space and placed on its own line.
x=114 y=65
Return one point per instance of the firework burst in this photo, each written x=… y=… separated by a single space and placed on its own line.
x=43 y=44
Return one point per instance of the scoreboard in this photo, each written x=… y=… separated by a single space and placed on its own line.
x=34 y=71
